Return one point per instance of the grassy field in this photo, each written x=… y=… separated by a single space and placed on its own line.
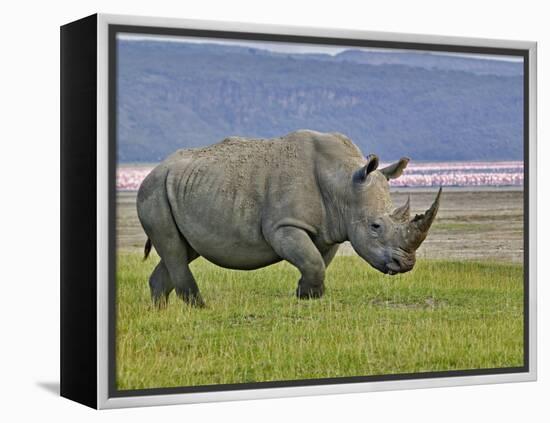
x=444 y=315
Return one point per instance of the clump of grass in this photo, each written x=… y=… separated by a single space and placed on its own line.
x=443 y=315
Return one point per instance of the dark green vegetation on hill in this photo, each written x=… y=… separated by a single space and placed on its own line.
x=174 y=95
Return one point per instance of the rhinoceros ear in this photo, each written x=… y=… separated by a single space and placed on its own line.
x=372 y=164
x=396 y=169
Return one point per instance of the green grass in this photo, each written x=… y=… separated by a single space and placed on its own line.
x=441 y=316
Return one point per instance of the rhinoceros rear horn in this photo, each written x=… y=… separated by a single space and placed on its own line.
x=402 y=214
x=420 y=224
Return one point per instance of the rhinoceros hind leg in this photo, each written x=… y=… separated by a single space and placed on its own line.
x=173 y=270
x=177 y=259
x=295 y=246
x=161 y=285
x=155 y=215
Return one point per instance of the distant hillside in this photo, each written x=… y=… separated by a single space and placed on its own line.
x=435 y=61
x=426 y=106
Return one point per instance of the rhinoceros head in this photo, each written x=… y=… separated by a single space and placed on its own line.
x=385 y=236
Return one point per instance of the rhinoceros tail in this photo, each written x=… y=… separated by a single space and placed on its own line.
x=147 y=249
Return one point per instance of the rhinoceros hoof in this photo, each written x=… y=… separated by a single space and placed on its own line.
x=309 y=292
x=160 y=302
x=193 y=299
x=196 y=301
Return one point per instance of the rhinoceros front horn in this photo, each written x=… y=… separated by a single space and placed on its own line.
x=420 y=224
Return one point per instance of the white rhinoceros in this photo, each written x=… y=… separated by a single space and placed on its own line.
x=248 y=203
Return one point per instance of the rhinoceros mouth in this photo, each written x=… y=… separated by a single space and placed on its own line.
x=400 y=263
x=392 y=268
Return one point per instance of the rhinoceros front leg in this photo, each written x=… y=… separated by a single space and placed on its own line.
x=295 y=246
x=329 y=254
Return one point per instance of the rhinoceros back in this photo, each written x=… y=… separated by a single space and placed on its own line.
x=222 y=196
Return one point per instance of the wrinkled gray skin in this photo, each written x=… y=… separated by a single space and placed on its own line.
x=246 y=204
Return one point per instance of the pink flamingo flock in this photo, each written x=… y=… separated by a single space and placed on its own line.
x=463 y=174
